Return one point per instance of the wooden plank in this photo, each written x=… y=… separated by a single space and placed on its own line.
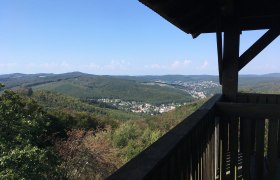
x=220 y=54
x=233 y=147
x=213 y=154
x=217 y=147
x=205 y=168
x=230 y=64
x=241 y=99
x=253 y=99
x=212 y=149
x=248 y=110
x=257 y=47
x=272 y=146
x=223 y=130
x=229 y=89
x=252 y=96
x=246 y=166
x=278 y=102
x=260 y=123
x=278 y=142
x=194 y=151
x=186 y=160
x=164 y=172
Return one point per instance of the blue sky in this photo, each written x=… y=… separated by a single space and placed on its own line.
x=108 y=37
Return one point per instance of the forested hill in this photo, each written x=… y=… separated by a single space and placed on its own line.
x=84 y=86
x=49 y=135
x=147 y=89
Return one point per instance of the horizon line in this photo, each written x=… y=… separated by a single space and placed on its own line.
x=137 y=75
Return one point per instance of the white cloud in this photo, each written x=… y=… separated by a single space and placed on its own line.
x=116 y=65
x=173 y=66
x=155 y=66
x=91 y=67
x=8 y=65
x=204 y=65
x=187 y=62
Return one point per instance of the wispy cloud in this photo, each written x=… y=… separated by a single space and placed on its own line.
x=64 y=66
x=117 y=65
x=175 y=65
x=204 y=65
x=7 y=65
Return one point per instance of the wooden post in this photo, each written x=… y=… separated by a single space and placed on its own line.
x=230 y=64
x=230 y=88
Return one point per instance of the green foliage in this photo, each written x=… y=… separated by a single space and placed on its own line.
x=83 y=154
x=22 y=121
x=133 y=137
x=166 y=121
x=29 y=162
x=52 y=101
x=136 y=146
x=125 y=133
x=23 y=124
x=112 y=87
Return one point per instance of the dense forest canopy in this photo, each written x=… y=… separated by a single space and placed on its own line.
x=50 y=135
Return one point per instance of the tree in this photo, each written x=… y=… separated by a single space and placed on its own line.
x=23 y=125
x=87 y=155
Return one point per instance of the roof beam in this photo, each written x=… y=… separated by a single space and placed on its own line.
x=257 y=47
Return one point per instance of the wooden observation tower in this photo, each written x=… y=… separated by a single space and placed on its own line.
x=225 y=138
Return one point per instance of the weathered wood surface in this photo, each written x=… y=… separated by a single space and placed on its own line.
x=248 y=110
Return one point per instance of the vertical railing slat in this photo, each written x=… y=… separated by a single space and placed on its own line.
x=278 y=102
x=217 y=147
x=233 y=147
x=272 y=142
x=272 y=148
x=223 y=146
x=246 y=166
x=260 y=124
x=245 y=140
x=253 y=99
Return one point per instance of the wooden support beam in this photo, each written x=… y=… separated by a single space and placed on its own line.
x=220 y=54
x=257 y=47
x=230 y=88
x=248 y=110
x=230 y=64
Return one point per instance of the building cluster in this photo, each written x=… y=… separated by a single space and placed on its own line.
x=139 y=107
x=197 y=89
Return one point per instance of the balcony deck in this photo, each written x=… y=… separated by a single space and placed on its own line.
x=221 y=140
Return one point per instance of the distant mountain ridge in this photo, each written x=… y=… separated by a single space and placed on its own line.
x=149 y=88
x=87 y=86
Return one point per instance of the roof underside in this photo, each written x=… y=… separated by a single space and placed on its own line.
x=207 y=16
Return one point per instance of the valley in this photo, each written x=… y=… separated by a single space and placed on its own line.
x=101 y=122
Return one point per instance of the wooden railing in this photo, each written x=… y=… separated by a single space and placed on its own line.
x=221 y=140
x=249 y=133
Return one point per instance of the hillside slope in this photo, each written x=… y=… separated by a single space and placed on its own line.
x=94 y=87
